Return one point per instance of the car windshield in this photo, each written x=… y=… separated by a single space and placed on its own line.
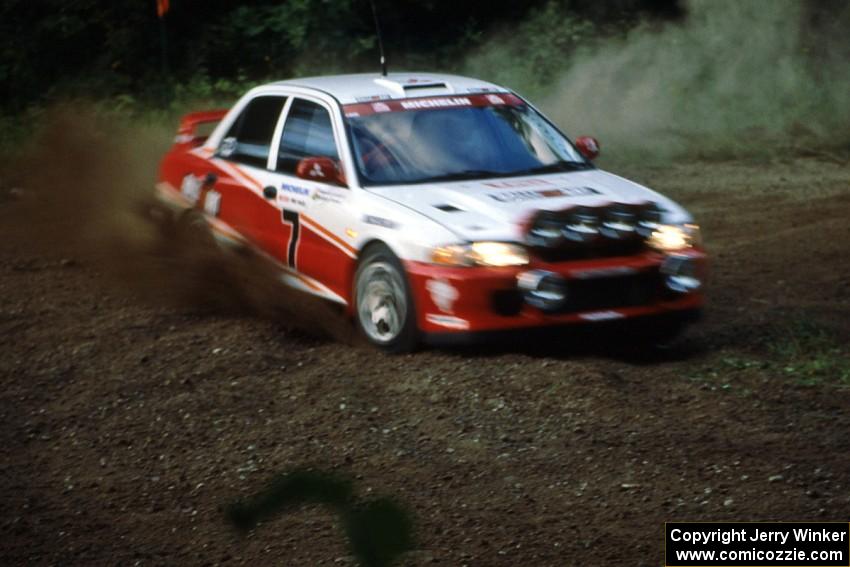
x=404 y=142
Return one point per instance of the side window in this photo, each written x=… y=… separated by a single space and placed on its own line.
x=250 y=137
x=307 y=133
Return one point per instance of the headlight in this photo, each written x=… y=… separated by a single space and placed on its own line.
x=495 y=254
x=670 y=237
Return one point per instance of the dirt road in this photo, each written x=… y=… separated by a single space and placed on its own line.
x=128 y=423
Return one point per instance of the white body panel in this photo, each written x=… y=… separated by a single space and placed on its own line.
x=495 y=209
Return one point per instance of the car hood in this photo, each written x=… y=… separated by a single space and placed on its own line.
x=495 y=209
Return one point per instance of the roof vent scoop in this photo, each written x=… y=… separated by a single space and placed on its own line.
x=420 y=86
x=427 y=89
x=415 y=87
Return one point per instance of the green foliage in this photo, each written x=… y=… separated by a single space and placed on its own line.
x=810 y=354
x=530 y=56
x=53 y=49
x=288 y=38
x=379 y=531
x=794 y=349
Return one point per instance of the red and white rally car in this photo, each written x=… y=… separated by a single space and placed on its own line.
x=433 y=204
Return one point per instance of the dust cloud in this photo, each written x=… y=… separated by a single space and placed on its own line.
x=734 y=77
x=85 y=175
x=87 y=178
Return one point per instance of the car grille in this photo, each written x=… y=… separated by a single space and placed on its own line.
x=605 y=249
x=592 y=294
x=611 y=293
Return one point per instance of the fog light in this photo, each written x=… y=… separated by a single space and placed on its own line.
x=619 y=222
x=542 y=289
x=546 y=230
x=680 y=274
x=582 y=225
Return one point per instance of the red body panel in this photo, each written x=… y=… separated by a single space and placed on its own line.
x=476 y=287
x=260 y=222
x=325 y=262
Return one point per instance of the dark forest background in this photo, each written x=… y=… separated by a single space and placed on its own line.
x=101 y=48
x=711 y=77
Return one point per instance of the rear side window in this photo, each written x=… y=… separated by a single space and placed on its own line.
x=307 y=133
x=250 y=138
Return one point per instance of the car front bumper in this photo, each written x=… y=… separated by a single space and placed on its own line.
x=478 y=299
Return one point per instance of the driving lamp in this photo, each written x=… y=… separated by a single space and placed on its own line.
x=494 y=254
x=670 y=237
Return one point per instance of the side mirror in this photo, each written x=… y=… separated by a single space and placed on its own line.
x=588 y=146
x=321 y=169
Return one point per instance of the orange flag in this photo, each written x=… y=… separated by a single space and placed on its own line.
x=161 y=8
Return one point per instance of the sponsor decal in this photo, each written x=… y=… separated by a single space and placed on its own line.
x=295 y=189
x=516 y=196
x=380 y=221
x=317 y=171
x=212 y=202
x=191 y=188
x=518 y=183
x=371 y=98
x=329 y=195
x=550 y=193
x=284 y=199
x=579 y=191
x=601 y=315
x=435 y=103
x=448 y=321
x=428 y=103
x=443 y=294
x=533 y=195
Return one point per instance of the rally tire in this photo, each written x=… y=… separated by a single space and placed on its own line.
x=385 y=314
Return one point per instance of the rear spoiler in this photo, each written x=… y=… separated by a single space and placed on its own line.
x=187 y=133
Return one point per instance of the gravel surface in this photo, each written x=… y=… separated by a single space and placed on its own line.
x=132 y=417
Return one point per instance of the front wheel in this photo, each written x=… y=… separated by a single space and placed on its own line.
x=385 y=312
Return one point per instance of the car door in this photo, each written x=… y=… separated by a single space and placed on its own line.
x=315 y=211
x=241 y=163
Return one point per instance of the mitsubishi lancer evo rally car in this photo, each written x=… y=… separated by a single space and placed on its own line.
x=430 y=204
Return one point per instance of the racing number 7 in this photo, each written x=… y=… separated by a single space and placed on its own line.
x=292 y=218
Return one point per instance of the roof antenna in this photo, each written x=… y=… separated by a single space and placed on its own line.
x=380 y=39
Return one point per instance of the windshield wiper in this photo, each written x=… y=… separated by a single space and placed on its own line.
x=556 y=167
x=462 y=175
